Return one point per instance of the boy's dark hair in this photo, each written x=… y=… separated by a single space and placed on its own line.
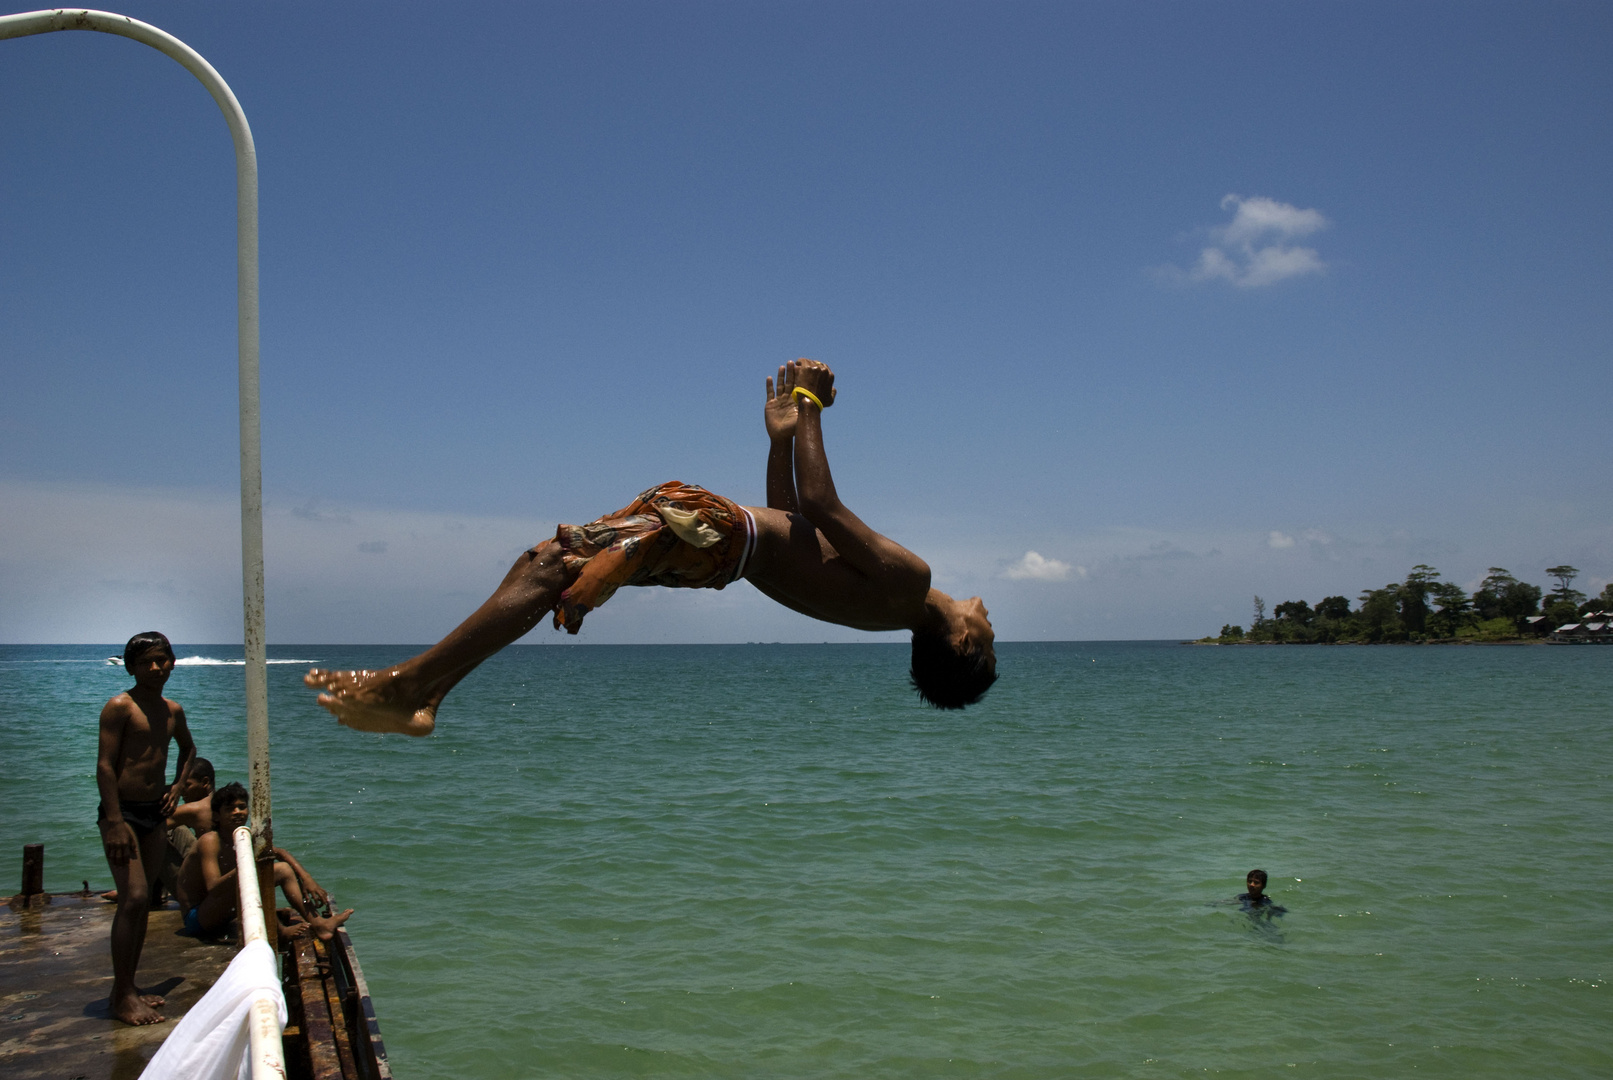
x=1256 y=875
x=202 y=769
x=229 y=795
x=948 y=678
x=140 y=644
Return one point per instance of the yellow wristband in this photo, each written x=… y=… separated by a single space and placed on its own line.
x=802 y=392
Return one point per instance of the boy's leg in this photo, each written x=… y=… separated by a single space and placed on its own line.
x=152 y=848
x=404 y=697
x=218 y=906
x=324 y=926
x=133 y=880
x=287 y=881
x=181 y=838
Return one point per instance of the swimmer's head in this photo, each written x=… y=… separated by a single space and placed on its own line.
x=142 y=644
x=955 y=664
x=1256 y=881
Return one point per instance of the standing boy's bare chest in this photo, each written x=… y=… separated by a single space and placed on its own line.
x=147 y=731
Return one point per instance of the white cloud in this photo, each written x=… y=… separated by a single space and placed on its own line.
x=1259 y=216
x=1270 y=265
x=1034 y=567
x=1279 y=540
x=1251 y=250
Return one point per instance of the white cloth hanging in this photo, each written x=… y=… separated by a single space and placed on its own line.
x=210 y=1042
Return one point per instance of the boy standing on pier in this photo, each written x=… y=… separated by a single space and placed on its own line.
x=130 y=771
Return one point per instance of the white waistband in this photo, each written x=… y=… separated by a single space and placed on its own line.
x=750 y=544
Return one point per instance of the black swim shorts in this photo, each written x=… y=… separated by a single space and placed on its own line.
x=144 y=816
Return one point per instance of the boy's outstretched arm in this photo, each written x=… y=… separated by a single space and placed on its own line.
x=877 y=556
x=778 y=414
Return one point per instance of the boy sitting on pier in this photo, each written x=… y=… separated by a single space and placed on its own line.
x=130 y=769
x=805 y=549
x=192 y=817
x=195 y=810
x=208 y=893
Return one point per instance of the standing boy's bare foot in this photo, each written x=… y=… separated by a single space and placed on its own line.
x=153 y=1000
x=134 y=1009
x=372 y=701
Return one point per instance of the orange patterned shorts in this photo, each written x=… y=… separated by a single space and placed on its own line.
x=675 y=534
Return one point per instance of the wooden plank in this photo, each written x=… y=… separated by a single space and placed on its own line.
x=338 y=1015
x=317 y=1022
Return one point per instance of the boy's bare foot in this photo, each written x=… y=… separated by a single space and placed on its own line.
x=153 y=1000
x=133 y=1008
x=325 y=925
x=371 y=701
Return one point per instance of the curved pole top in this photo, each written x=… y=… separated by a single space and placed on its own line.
x=25 y=24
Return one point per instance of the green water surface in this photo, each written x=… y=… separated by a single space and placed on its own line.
x=768 y=861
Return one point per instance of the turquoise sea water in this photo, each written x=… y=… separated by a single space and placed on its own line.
x=767 y=861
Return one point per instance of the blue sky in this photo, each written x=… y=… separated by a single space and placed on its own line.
x=1137 y=310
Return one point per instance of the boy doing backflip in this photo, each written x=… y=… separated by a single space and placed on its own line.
x=804 y=549
x=136 y=727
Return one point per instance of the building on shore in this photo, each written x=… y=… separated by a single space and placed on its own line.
x=1594 y=628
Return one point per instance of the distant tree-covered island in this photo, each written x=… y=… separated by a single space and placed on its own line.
x=1424 y=609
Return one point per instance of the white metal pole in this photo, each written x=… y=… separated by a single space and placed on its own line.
x=246 y=271
x=263 y=1019
x=253 y=928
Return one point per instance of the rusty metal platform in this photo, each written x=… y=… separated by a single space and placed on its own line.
x=55 y=978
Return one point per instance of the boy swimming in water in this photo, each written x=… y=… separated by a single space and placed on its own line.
x=130 y=768
x=1256 y=899
x=804 y=549
x=208 y=891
